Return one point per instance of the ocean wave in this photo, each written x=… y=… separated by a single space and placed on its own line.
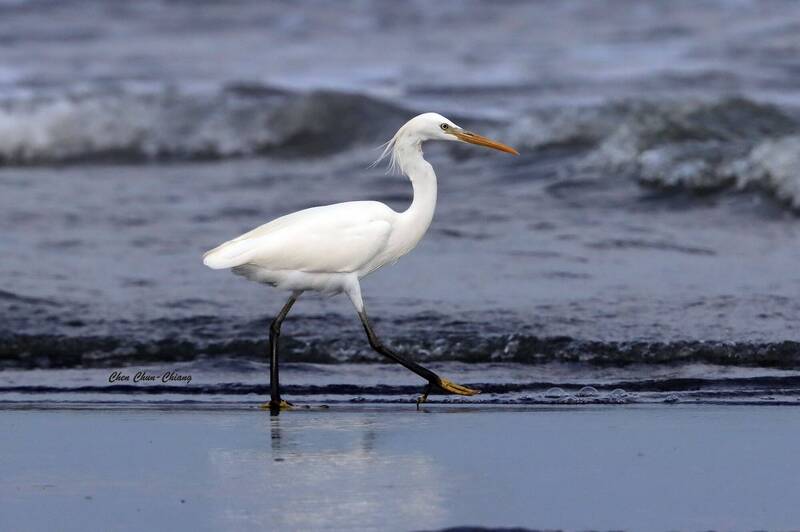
x=238 y=121
x=57 y=351
x=698 y=146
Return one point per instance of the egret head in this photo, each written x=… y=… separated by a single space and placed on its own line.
x=433 y=126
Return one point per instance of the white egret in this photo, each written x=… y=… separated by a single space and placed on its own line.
x=329 y=249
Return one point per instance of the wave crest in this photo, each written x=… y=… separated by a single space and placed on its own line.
x=238 y=121
x=696 y=146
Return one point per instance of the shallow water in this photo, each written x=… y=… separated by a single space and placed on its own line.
x=650 y=220
x=389 y=468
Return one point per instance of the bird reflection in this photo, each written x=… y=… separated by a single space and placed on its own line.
x=329 y=462
x=275 y=434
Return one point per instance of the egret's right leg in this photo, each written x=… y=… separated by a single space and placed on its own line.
x=433 y=379
x=275 y=402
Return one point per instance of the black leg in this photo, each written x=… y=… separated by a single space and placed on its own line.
x=432 y=378
x=274 y=335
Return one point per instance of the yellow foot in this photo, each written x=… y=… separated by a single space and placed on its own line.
x=448 y=386
x=457 y=389
x=282 y=405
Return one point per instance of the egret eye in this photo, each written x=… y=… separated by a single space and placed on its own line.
x=444 y=127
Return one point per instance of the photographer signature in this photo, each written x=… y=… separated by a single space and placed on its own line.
x=145 y=377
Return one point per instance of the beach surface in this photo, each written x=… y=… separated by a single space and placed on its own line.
x=86 y=467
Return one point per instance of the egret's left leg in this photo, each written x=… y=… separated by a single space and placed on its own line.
x=433 y=379
x=354 y=291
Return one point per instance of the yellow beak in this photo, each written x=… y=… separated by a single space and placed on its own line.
x=474 y=138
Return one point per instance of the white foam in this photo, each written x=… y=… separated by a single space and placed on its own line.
x=774 y=165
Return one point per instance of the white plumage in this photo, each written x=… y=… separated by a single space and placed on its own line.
x=337 y=238
x=313 y=249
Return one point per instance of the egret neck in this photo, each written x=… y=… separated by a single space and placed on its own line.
x=414 y=221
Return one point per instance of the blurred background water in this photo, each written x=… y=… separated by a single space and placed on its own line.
x=647 y=233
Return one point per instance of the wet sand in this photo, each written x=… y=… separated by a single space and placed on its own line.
x=364 y=467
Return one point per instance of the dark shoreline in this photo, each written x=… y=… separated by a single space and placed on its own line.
x=22 y=351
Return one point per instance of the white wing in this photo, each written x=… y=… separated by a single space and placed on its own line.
x=332 y=239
